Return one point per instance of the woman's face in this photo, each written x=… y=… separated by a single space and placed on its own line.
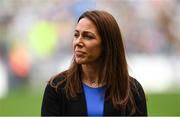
x=86 y=43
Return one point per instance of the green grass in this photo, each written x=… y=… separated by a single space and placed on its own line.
x=166 y=104
x=21 y=102
x=25 y=102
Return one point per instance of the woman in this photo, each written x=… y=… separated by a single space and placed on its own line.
x=97 y=82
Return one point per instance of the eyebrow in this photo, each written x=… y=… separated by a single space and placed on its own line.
x=86 y=32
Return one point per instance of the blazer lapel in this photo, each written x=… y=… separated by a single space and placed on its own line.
x=77 y=106
x=109 y=110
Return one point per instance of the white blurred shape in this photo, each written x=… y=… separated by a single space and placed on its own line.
x=3 y=81
x=65 y=62
x=154 y=72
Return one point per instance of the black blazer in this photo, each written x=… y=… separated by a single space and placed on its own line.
x=56 y=104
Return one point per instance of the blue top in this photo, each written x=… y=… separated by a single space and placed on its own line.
x=94 y=100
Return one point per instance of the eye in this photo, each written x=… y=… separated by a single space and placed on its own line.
x=88 y=36
x=76 y=35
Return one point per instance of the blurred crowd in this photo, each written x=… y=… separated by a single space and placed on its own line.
x=36 y=35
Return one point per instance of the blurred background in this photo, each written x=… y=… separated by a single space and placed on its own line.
x=36 y=39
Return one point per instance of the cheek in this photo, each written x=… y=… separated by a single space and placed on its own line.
x=73 y=44
x=96 y=50
x=99 y=51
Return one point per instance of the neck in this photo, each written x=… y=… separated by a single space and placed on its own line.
x=90 y=73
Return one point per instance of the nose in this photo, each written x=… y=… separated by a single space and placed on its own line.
x=78 y=42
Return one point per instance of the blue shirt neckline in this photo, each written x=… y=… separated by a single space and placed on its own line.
x=94 y=100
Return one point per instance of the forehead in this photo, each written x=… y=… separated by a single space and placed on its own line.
x=85 y=24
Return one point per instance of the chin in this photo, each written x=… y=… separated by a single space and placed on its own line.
x=80 y=62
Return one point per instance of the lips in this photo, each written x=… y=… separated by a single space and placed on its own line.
x=79 y=53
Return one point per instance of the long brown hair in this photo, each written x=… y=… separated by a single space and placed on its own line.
x=114 y=70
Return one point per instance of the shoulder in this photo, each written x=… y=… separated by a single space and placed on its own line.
x=137 y=91
x=53 y=96
x=136 y=86
x=58 y=81
x=139 y=97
